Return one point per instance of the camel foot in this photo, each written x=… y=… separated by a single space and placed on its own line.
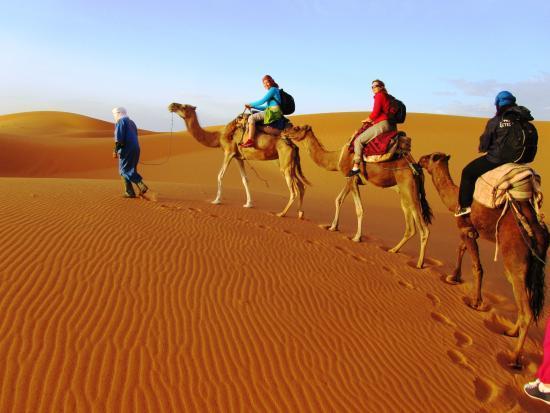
x=420 y=265
x=356 y=238
x=216 y=202
x=328 y=227
x=477 y=305
x=300 y=214
x=452 y=279
x=511 y=332
x=393 y=250
x=280 y=214
x=515 y=362
x=248 y=205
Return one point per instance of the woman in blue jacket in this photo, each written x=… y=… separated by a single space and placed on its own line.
x=269 y=107
x=127 y=151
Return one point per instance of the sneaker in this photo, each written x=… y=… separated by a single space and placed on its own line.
x=532 y=390
x=463 y=211
x=353 y=172
x=247 y=144
x=127 y=195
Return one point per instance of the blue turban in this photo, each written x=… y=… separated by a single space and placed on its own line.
x=504 y=98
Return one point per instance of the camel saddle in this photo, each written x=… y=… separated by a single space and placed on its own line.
x=512 y=180
x=387 y=146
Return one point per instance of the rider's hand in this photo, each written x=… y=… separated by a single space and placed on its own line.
x=247 y=106
x=115 y=155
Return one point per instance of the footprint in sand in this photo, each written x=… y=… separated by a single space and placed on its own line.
x=462 y=339
x=485 y=390
x=459 y=359
x=386 y=268
x=434 y=299
x=406 y=284
x=194 y=209
x=440 y=318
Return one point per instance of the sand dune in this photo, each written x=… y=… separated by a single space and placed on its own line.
x=178 y=305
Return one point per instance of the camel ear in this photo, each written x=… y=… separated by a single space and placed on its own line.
x=447 y=157
x=436 y=157
x=194 y=107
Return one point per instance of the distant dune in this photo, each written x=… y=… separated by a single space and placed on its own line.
x=112 y=304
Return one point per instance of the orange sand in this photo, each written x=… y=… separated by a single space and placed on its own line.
x=111 y=304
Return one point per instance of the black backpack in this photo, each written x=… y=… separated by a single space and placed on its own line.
x=518 y=138
x=397 y=111
x=287 y=103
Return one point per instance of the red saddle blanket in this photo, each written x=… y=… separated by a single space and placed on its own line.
x=378 y=146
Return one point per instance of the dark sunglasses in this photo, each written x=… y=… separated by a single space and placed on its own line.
x=373 y=86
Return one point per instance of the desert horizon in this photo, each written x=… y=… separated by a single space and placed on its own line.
x=176 y=304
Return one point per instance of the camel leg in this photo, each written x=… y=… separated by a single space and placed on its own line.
x=477 y=270
x=525 y=316
x=339 y=201
x=455 y=278
x=409 y=227
x=244 y=179
x=301 y=191
x=226 y=160
x=358 y=208
x=291 y=183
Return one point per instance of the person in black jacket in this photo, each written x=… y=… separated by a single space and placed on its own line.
x=493 y=142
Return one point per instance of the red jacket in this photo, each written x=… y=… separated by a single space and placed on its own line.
x=381 y=108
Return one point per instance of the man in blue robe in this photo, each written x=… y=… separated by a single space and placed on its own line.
x=127 y=152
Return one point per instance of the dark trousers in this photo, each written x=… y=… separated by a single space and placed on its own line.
x=470 y=173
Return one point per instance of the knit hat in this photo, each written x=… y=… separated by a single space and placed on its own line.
x=504 y=98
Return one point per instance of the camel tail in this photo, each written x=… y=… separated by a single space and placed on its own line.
x=535 y=278
x=297 y=165
x=427 y=213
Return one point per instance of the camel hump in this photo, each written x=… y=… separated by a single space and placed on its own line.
x=519 y=182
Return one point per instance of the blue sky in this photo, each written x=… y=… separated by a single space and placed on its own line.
x=438 y=57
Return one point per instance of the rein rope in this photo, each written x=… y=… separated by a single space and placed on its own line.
x=169 y=148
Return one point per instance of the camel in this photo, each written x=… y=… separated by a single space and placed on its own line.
x=524 y=269
x=399 y=173
x=268 y=147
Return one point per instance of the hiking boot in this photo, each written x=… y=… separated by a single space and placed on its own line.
x=353 y=172
x=142 y=187
x=129 y=189
x=533 y=390
x=462 y=211
x=247 y=144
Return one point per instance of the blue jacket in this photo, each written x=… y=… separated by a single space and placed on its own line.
x=271 y=98
x=126 y=134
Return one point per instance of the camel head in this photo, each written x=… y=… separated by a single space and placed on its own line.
x=297 y=133
x=185 y=111
x=429 y=162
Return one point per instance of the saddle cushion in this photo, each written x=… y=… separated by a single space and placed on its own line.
x=519 y=181
x=398 y=145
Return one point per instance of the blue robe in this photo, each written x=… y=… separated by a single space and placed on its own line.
x=126 y=137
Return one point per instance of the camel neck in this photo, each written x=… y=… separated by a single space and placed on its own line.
x=322 y=157
x=447 y=189
x=205 y=137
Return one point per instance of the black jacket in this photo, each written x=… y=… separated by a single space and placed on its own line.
x=497 y=130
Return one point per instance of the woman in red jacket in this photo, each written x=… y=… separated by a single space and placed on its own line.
x=377 y=120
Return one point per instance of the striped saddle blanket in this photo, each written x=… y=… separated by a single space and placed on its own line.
x=518 y=181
